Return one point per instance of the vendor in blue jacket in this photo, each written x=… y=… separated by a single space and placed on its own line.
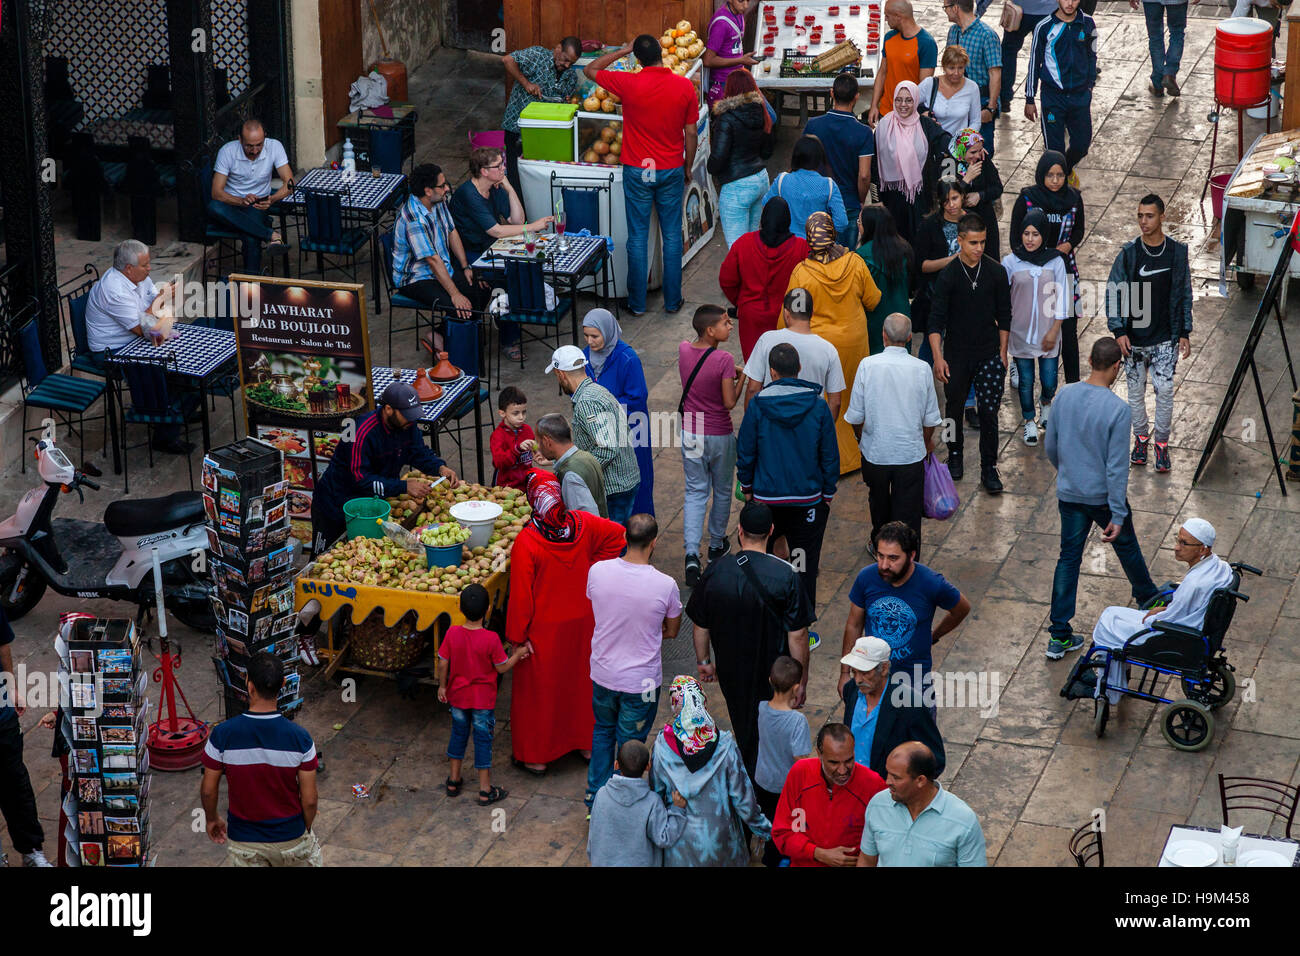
x=788 y=458
x=383 y=441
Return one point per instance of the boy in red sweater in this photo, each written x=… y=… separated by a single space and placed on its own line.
x=514 y=446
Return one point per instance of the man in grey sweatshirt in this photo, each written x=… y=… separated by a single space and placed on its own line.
x=630 y=826
x=1087 y=443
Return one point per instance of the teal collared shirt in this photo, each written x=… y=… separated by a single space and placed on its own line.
x=946 y=833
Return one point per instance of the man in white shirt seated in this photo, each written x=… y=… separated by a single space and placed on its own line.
x=1207 y=572
x=894 y=411
x=241 y=190
x=122 y=306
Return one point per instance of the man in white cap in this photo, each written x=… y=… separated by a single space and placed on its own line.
x=1207 y=572
x=600 y=427
x=881 y=717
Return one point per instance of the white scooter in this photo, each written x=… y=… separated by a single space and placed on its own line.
x=112 y=560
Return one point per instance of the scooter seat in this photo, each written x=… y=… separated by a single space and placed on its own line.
x=148 y=515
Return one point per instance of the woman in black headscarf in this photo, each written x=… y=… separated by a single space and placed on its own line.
x=756 y=272
x=1062 y=207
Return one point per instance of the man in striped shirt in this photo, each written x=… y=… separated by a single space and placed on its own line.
x=600 y=427
x=270 y=768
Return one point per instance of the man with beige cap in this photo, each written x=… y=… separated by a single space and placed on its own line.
x=883 y=716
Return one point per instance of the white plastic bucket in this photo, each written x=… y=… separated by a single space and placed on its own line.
x=479 y=517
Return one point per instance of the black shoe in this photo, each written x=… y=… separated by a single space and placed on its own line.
x=955 y=465
x=676 y=308
x=173 y=447
x=624 y=307
x=972 y=418
x=275 y=248
x=692 y=570
x=719 y=551
x=990 y=480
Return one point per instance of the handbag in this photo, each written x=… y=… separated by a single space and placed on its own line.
x=1011 y=14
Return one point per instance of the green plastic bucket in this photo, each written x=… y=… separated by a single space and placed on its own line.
x=365 y=517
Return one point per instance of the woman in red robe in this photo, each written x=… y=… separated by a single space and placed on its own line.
x=550 y=701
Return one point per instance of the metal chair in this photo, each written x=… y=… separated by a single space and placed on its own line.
x=73 y=296
x=396 y=300
x=386 y=148
x=151 y=405
x=588 y=205
x=64 y=396
x=215 y=234
x=526 y=289
x=1256 y=793
x=1085 y=845
x=322 y=230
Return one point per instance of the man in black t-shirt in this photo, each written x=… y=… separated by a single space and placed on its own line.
x=1149 y=310
x=970 y=320
x=752 y=608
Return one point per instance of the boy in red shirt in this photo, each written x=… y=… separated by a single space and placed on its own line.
x=514 y=446
x=469 y=659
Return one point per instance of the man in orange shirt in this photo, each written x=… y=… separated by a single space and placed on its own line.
x=908 y=53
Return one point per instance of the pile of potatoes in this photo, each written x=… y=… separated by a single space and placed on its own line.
x=681 y=46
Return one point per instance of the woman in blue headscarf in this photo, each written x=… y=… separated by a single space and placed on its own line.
x=615 y=365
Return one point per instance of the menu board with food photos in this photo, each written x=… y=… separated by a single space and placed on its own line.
x=246 y=496
x=104 y=724
x=304 y=363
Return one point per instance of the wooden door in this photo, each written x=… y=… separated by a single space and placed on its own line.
x=340 y=59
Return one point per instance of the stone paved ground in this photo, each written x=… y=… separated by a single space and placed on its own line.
x=1033 y=770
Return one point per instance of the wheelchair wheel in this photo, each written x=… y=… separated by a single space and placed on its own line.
x=1187 y=725
x=1100 y=714
x=1220 y=689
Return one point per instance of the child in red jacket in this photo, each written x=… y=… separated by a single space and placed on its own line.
x=514 y=446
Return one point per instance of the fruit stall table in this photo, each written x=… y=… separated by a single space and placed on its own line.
x=792 y=35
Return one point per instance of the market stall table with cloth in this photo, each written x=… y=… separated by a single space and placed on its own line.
x=1184 y=841
x=194 y=352
x=432 y=414
x=368 y=199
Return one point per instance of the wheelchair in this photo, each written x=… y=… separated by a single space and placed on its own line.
x=1170 y=652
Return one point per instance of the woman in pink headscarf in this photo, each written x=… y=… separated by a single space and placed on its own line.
x=910 y=149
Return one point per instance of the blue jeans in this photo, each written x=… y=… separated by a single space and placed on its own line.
x=1047 y=372
x=740 y=205
x=661 y=190
x=1165 y=62
x=620 y=717
x=620 y=505
x=1011 y=43
x=848 y=237
x=484 y=722
x=1065 y=112
x=709 y=464
x=253 y=223
x=1076 y=521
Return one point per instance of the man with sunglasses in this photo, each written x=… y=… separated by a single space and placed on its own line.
x=383 y=441
x=430 y=263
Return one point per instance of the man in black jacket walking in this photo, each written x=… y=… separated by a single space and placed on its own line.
x=884 y=713
x=1149 y=310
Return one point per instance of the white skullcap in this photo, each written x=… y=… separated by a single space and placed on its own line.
x=1201 y=530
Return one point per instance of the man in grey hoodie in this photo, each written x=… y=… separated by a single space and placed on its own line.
x=1087 y=443
x=630 y=826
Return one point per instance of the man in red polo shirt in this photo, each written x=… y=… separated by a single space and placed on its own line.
x=660 y=110
x=823 y=804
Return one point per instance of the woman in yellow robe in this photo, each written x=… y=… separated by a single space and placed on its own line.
x=842 y=293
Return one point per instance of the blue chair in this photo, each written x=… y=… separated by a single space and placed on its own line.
x=227 y=242
x=463 y=340
x=386 y=148
x=151 y=405
x=396 y=300
x=64 y=396
x=322 y=230
x=73 y=296
x=226 y=384
x=526 y=289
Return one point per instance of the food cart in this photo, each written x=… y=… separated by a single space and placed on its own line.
x=790 y=36
x=599 y=122
x=1265 y=191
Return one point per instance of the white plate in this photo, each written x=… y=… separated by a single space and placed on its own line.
x=1262 y=858
x=1191 y=853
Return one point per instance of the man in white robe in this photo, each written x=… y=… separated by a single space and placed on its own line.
x=1207 y=572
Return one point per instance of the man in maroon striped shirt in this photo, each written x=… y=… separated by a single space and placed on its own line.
x=270 y=769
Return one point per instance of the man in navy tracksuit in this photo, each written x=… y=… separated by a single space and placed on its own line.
x=788 y=458
x=1063 y=63
x=383 y=441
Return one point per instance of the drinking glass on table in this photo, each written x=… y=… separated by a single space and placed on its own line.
x=530 y=243
x=561 y=220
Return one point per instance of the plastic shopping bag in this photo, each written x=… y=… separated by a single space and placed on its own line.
x=939 y=500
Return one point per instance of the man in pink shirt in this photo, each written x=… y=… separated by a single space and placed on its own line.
x=636 y=609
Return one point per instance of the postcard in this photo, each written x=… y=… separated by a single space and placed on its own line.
x=90 y=822
x=115 y=661
x=254 y=515
x=210 y=509
x=262 y=630
x=119 y=756
x=237 y=621
x=273 y=493
x=120 y=781
x=89 y=790
x=85 y=761
x=236 y=646
x=276 y=514
x=84 y=696
x=83 y=728
x=283 y=624
x=117 y=735
x=229 y=525
x=124 y=802
x=230 y=500
x=92 y=854
x=123 y=846
x=81 y=662
x=122 y=824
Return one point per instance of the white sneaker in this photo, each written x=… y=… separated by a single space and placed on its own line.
x=1031 y=433
x=1042 y=416
x=1015 y=374
x=36 y=858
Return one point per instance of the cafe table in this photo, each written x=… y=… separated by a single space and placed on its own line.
x=195 y=352
x=1252 y=849
x=433 y=415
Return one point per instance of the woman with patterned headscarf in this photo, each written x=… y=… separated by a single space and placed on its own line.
x=984 y=185
x=842 y=293
x=703 y=764
x=550 y=701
